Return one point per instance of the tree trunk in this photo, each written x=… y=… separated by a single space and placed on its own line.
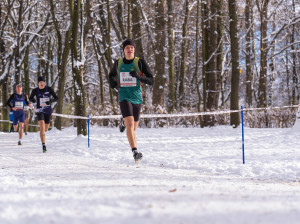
x=129 y=20
x=97 y=49
x=106 y=43
x=212 y=64
x=108 y=52
x=248 y=55
x=5 y=125
x=295 y=90
x=62 y=61
x=137 y=34
x=273 y=70
x=137 y=29
x=160 y=80
x=171 y=102
x=235 y=77
x=205 y=47
x=220 y=49
x=183 y=55
x=79 y=91
x=17 y=46
x=290 y=98
x=41 y=62
x=62 y=69
x=119 y=18
x=26 y=72
x=197 y=60
x=262 y=89
x=4 y=83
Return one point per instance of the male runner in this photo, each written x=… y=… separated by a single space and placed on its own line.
x=17 y=99
x=128 y=75
x=42 y=96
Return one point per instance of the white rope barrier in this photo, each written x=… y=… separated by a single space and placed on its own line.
x=33 y=125
x=4 y=121
x=69 y=116
x=173 y=115
x=169 y=115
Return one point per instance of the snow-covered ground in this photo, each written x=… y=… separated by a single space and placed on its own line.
x=188 y=175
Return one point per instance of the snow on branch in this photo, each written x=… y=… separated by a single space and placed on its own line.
x=297 y=42
x=35 y=35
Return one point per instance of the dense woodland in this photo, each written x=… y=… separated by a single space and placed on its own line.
x=206 y=56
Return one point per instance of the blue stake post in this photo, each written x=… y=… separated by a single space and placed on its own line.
x=88 y=130
x=243 y=145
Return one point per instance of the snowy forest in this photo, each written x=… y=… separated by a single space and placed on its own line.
x=206 y=55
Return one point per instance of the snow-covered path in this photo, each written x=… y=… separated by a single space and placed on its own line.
x=187 y=176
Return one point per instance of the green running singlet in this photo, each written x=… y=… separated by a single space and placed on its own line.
x=130 y=88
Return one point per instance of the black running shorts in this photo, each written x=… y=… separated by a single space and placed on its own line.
x=129 y=109
x=44 y=117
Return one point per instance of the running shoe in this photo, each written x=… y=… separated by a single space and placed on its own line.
x=122 y=126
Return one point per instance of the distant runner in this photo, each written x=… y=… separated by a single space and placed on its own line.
x=16 y=103
x=42 y=96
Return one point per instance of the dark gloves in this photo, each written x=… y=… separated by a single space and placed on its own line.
x=143 y=79
x=48 y=102
x=135 y=74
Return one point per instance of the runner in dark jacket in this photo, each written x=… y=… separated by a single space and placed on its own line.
x=16 y=103
x=43 y=96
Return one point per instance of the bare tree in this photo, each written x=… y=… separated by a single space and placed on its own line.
x=171 y=102
x=77 y=64
x=137 y=29
x=235 y=77
x=262 y=90
x=160 y=80
x=183 y=54
x=129 y=6
x=295 y=89
x=197 y=58
x=63 y=50
x=249 y=73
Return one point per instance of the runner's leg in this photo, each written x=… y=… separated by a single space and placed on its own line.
x=129 y=123
x=27 y=117
x=42 y=130
x=15 y=120
x=46 y=127
x=47 y=121
x=21 y=125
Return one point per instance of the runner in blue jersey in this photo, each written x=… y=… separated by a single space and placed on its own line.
x=43 y=96
x=128 y=75
x=16 y=103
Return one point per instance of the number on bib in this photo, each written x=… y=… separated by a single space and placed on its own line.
x=19 y=105
x=126 y=80
x=43 y=101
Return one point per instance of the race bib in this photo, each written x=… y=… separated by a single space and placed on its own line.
x=126 y=80
x=26 y=108
x=43 y=101
x=19 y=105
